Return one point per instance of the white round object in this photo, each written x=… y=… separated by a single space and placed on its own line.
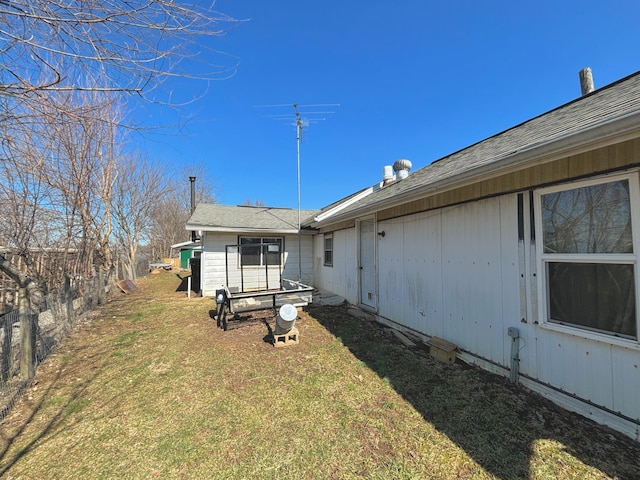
x=288 y=312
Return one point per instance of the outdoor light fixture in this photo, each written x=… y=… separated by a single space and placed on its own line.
x=382 y=234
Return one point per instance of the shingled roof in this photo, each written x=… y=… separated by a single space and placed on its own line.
x=619 y=100
x=223 y=218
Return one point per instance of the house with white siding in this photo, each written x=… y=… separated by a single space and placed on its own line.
x=248 y=248
x=522 y=250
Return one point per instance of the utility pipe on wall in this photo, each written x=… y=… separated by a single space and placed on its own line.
x=515 y=354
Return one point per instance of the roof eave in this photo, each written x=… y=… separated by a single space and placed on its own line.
x=279 y=231
x=606 y=133
x=313 y=222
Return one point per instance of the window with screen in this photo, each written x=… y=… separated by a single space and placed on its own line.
x=328 y=249
x=261 y=251
x=588 y=256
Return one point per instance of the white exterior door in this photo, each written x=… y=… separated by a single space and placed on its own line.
x=367 y=263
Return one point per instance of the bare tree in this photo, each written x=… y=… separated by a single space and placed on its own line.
x=253 y=203
x=106 y=45
x=137 y=190
x=59 y=150
x=174 y=209
x=80 y=170
x=61 y=63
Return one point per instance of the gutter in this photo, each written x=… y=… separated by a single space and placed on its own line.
x=204 y=228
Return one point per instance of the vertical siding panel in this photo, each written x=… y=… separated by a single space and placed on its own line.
x=592 y=365
x=349 y=272
x=472 y=278
x=291 y=269
x=510 y=275
x=578 y=366
x=391 y=274
x=554 y=360
x=625 y=366
x=423 y=273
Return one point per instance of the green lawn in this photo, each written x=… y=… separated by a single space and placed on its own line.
x=148 y=387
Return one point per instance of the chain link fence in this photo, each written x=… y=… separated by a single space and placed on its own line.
x=55 y=317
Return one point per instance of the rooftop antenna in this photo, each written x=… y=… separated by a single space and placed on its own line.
x=301 y=118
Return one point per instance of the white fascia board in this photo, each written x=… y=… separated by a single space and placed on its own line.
x=613 y=131
x=184 y=244
x=342 y=206
x=262 y=231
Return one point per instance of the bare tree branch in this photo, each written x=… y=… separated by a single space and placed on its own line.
x=110 y=46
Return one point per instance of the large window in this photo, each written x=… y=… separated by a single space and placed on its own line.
x=328 y=249
x=260 y=251
x=588 y=256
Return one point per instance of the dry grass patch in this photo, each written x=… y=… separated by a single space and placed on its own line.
x=150 y=388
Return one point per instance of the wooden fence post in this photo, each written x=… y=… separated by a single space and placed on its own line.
x=27 y=335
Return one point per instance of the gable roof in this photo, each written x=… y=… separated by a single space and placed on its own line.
x=211 y=217
x=609 y=110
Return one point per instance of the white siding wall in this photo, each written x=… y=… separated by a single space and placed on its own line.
x=342 y=277
x=454 y=274
x=213 y=267
x=459 y=274
x=214 y=270
x=595 y=368
x=291 y=267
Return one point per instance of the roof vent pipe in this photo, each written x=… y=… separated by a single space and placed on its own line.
x=387 y=175
x=193 y=194
x=402 y=167
x=586 y=81
x=194 y=236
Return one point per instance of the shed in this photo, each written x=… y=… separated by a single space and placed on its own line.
x=187 y=251
x=249 y=248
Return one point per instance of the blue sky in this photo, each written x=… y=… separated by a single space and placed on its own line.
x=414 y=79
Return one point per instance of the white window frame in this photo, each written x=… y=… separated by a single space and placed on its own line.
x=261 y=245
x=613 y=258
x=327 y=236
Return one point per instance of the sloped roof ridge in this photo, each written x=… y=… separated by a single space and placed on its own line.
x=614 y=101
x=532 y=119
x=266 y=207
x=215 y=215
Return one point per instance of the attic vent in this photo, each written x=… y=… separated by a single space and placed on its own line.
x=387 y=175
x=402 y=167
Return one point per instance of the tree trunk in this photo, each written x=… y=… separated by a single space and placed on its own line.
x=101 y=285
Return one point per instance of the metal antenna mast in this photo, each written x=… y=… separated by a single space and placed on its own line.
x=298 y=139
x=301 y=119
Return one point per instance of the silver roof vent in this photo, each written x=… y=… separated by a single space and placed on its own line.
x=402 y=167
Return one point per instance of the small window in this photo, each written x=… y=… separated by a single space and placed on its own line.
x=328 y=249
x=259 y=251
x=588 y=256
